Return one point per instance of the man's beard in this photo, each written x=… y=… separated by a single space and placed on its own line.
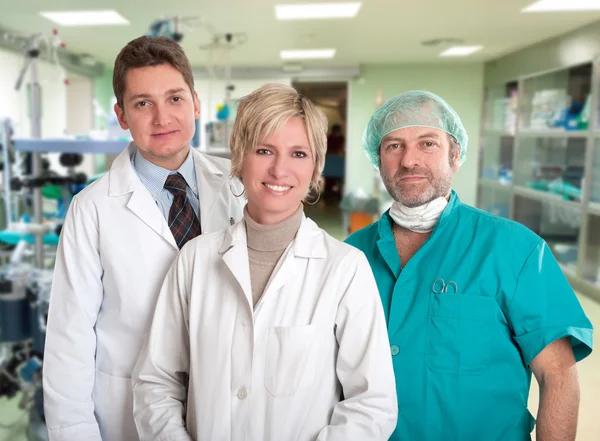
x=419 y=193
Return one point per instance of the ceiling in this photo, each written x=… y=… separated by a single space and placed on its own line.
x=385 y=31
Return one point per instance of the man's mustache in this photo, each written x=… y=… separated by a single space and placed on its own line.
x=403 y=172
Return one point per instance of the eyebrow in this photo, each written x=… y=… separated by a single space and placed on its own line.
x=147 y=96
x=429 y=135
x=175 y=91
x=425 y=135
x=393 y=138
x=271 y=146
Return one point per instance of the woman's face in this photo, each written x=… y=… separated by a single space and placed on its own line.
x=277 y=173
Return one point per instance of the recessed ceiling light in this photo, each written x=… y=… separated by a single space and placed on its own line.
x=316 y=11
x=306 y=54
x=85 y=18
x=563 y=6
x=460 y=51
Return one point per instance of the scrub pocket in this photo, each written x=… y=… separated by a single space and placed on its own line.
x=460 y=330
x=291 y=359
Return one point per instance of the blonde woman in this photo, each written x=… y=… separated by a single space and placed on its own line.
x=278 y=326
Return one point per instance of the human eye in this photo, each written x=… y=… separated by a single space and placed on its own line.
x=429 y=144
x=299 y=154
x=262 y=151
x=177 y=99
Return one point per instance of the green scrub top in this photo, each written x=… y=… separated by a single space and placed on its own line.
x=461 y=359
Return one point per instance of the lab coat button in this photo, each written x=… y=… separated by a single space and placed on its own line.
x=395 y=350
x=242 y=393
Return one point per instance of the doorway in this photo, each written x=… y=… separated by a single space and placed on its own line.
x=332 y=99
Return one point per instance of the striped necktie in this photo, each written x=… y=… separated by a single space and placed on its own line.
x=182 y=220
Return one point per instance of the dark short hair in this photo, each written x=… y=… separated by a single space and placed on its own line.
x=149 y=51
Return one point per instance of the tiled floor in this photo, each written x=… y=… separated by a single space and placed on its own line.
x=329 y=218
x=13 y=421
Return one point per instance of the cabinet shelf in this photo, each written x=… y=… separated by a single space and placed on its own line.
x=545 y=168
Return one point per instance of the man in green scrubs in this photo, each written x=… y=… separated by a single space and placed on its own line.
x=474 y=303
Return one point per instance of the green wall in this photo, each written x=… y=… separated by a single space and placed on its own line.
x=577 y=47
x=459 y=84
x=103 y=93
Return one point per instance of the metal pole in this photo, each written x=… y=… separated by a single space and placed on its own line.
x=228 y=40
x=6 y=135
x=36 y=133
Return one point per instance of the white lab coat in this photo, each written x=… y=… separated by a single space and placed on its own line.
x=276 y=373
x=114 y=251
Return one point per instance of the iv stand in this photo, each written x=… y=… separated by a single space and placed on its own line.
x=30 y=62
x=6 y=136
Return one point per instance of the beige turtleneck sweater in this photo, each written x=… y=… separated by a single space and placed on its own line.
x=266 y=244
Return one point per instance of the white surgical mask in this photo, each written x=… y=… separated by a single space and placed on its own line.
x=420 y=219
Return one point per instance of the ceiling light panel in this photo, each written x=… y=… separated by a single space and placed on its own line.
x=86 y=18
x=563 y=6
x=460 y=51
x=316 y=11
x=307 y=54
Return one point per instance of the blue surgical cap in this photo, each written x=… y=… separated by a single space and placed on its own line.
x=415 y=108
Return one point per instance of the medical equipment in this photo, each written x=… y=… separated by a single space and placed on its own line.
x=441 y=287
x=172 y=27
x=24 y=281
x=219 y=58
x=24 y=299
x=32 y=46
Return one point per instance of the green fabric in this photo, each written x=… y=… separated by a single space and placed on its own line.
x=461 y=360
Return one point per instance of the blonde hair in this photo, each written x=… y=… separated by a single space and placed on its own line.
x=266 y=110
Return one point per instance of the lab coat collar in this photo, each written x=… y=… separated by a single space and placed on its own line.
x=210 y=181
x=309 y=241
x=200 y=160
x=121 y=176
x=124 y=180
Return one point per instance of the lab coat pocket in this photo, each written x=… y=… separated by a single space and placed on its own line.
x=113 y=400
x=291 y=359
x=459 y=333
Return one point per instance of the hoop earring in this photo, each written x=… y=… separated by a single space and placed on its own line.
x=233 y=193
x=317 y=200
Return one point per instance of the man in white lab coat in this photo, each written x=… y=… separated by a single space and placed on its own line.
x=119 y=238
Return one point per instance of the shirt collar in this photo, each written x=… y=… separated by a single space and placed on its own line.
x=154 y=177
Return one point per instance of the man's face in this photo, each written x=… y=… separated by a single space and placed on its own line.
x=416 y=166
x=159 y=109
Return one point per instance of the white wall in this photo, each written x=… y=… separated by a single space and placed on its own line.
x=80 y=109
x=80 y=115
x=461 y=85
x=14 y=104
